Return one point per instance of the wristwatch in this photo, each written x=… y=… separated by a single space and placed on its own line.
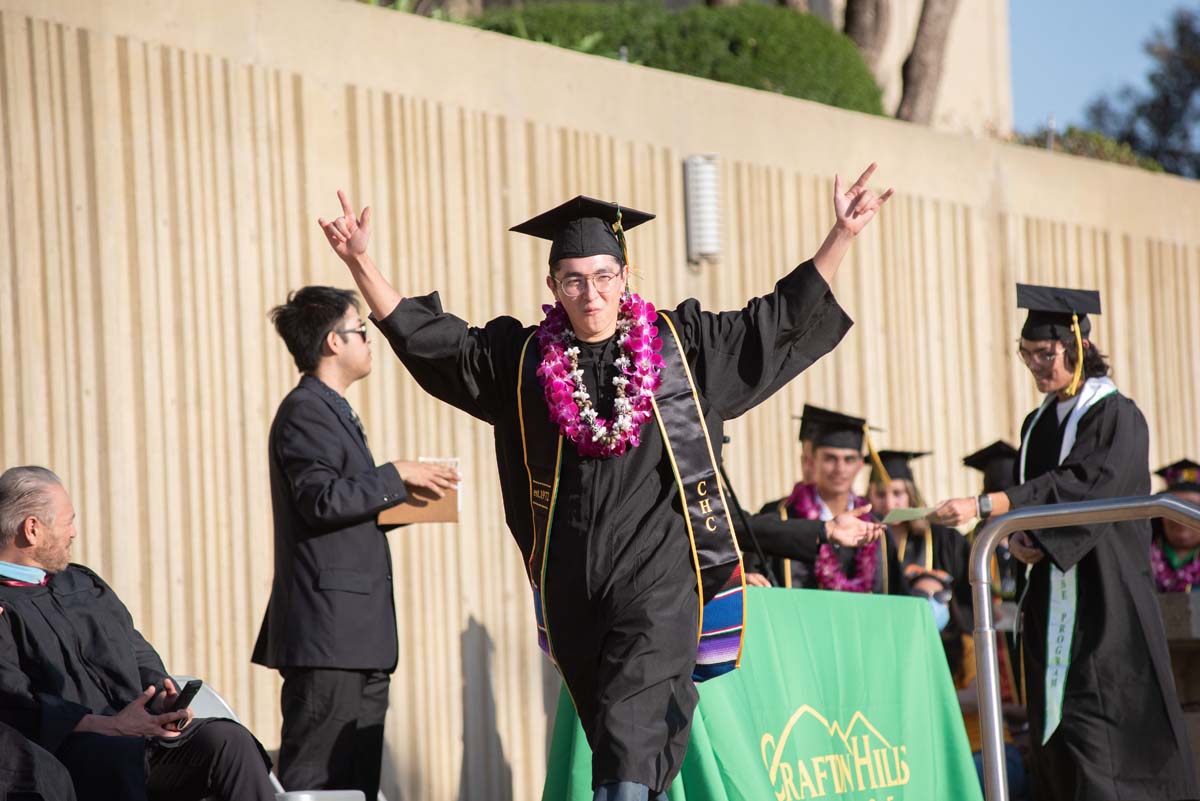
x=984 y=504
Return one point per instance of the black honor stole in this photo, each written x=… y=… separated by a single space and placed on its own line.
x=686 y=442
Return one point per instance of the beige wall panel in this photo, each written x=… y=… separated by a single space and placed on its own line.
x=161 y=170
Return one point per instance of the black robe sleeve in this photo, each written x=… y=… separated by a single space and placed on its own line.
x=740 y=358
x=456 y=363
x=797 y=539
x=1111 y=444
x=322 y=495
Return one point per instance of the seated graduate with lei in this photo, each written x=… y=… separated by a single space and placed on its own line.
x=1175 y=548
x=607 y=419
x=822 y=536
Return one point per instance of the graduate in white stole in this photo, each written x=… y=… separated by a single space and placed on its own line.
x=1104 y=716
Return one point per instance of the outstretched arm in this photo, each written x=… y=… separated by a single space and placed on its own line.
x=854 y=207
x=348 y=236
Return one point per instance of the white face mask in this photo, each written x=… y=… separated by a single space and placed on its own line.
x=941 y=613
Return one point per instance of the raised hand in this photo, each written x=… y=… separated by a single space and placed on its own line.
x=856 y=206
x=348 y=235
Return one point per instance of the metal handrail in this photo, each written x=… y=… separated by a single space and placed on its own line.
x=987 y=672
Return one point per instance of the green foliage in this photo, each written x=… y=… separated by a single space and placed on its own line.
x=763 y=47
x=597 y=28
x=1092 y=145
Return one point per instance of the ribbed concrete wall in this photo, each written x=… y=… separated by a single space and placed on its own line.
x=162 y=166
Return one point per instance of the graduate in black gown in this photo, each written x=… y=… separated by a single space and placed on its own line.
x=1104 y=716
x=921 y=546
x=607 y=547
x=823 y=536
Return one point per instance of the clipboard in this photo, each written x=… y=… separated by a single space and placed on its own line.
x=422 y=506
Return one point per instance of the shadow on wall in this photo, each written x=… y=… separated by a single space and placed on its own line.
x=485 y=774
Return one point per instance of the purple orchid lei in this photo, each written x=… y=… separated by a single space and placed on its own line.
x=828 y=568
x=566 y=396
x=1168 y=580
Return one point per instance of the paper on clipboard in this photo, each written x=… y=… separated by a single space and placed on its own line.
x=422 y=505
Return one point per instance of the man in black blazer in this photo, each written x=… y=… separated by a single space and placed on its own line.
x=330 y=625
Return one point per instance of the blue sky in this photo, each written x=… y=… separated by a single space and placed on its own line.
x=1065 y=52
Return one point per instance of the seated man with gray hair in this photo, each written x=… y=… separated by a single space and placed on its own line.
x=79 y=680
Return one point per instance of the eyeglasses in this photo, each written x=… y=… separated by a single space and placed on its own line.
x=1042 y=357
x=574 y=286
x=361 y=331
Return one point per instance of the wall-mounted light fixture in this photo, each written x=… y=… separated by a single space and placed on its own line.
x=702 y=205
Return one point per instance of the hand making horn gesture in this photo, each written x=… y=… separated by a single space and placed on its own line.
x=348 y=235
x=856 y=206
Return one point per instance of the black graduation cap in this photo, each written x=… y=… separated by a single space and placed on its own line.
x=813 y=419
x=914 y=573
x=996 y=463
x=896 y=463
x=584 y=226
x=1182 y=476
x=834 y=429
x=810 y=419
x=1050 y=310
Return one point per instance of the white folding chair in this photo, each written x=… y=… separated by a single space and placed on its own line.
x=208 y=703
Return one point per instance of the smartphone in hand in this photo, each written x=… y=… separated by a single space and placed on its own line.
x=184 y=700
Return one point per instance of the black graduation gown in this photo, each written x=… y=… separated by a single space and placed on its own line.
x=1122 y=734
x=798 y=539
x=951 y=554
x=29 y=771
x=620 y=587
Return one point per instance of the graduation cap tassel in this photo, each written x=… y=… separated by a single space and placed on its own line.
x=875 y=460
x=619 y=230
x=1077 y=376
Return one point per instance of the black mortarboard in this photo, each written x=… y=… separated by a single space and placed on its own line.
x=1050 y=310
x=835 y=430
x=811 y=419
x=896 y=463
x=1182 y=476
x=996 y=463
x=583 y=226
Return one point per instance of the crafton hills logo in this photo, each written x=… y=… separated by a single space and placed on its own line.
x=868 y=764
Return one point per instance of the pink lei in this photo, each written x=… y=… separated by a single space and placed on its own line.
x=828 y=568
x=567 y=397
x=1169 y=580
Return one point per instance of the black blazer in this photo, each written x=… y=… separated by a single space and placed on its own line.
x=331 y=600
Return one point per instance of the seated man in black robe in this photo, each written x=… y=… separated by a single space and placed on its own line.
x=79 y=680
x=1104 y=717
x=607 y=420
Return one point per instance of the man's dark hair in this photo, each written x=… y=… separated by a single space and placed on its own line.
x=307 y=318
x=1095 y=363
